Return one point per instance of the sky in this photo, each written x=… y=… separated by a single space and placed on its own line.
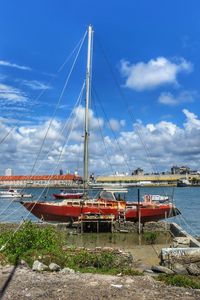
x=145 y=109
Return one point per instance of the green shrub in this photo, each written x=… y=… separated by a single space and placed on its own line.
x=181 y=280
x=131 y=272
x=32 y=242
x=150 y=237
x=85 y=259
x=27 y=239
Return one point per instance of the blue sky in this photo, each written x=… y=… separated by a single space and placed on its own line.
x=151 y=48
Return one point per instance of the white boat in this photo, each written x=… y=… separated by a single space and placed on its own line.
x=13 y=193
x=156 y=198
x=183 y=182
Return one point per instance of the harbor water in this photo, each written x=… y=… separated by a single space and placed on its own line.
x=187 y=200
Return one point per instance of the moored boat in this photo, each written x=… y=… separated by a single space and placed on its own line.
x=68 y=195
x=156 y=198
x=13 y=193
x=184 y=182
x=70 y=210
x=108 y=203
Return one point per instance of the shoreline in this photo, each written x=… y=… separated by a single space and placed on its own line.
x=27 y=284
x=136 y=277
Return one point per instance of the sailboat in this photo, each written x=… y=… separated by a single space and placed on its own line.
x=109 y=202
x=68 y=195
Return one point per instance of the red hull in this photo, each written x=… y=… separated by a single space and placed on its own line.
x=68 y=196
x=64 y=213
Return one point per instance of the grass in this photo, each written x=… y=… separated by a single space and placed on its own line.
x=150 y=237
x=29 y=238
x=181 y=280
x=32 y=242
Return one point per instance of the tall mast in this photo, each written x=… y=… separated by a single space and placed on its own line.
x=87 y=101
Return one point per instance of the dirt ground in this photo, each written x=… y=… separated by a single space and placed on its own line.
x=26 y=284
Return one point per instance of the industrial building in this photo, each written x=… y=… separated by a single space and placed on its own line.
x=40 y=180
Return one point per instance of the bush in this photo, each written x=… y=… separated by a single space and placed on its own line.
x=150 y=237
x=32 y=242
x=84 y=259
x=180 y=280
x=27 y=239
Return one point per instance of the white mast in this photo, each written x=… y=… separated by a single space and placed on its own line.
x=87 y=101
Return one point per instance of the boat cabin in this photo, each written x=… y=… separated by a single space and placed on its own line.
x=113 y=195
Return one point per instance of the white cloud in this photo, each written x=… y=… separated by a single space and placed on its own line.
x=192 y=120
x=13 y=65
x=35 y=85
x=162 y=144
x=12 y=94
x=154 y=73
x=94 y=122
x=116 y=125
x=168 y=98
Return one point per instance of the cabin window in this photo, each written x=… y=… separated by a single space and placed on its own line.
x=107 y=195
x=119 y=196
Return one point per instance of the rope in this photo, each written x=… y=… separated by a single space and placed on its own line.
x=181 y=217
x=114 y=135
x=58 y=103
x=60 y=154
x=103 y=139
x=131 y=115
x=79 y=46
x=66 y=123
x=48 y=83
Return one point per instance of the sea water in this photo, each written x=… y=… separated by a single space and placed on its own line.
x=187 y=200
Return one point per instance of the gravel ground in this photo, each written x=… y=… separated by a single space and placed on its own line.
x=26 y=284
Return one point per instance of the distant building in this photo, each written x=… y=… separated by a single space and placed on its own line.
x=175 y=170
x=138 y=171
x=8 y=172
x=40 y=180
x=184 y=170
x=92 y=178
x=61 y=172
x=180 y=170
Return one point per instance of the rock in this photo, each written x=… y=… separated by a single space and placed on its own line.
x=193 y=269
x=98 y=248
x=93 y=283
x=39 y=266
x=148 y=271
x=110 y=249
x=23 y=263
x=54 y=267
x=179 y=269
x=67 y=271
x=7 y=269
x=161 y=269
x=182 y=240
x=129 y=280
x=118 y=286
x=65 y=247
